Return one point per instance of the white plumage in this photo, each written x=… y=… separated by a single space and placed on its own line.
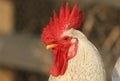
x=116 y=71
x=87 y=65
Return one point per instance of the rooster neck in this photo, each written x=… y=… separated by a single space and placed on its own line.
x=86 y=65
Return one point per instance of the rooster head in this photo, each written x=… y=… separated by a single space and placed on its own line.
x=63 y=47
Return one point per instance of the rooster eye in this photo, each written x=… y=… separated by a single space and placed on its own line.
x=65 y=38
x=53 y=42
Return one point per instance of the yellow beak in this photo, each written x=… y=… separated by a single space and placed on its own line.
x=51 y=46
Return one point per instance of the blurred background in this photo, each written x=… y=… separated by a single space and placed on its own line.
x=23 y=56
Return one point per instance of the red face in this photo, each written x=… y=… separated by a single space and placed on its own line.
x=63 y=49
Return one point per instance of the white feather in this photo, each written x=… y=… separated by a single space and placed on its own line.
x=116 y=71
x=87 y=65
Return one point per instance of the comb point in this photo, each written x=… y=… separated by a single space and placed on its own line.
x=74 y=10
x=62 y=12
x=55 y=16
x=67 y=10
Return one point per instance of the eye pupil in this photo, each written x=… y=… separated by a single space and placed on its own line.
x=66 y=38
x=53 y=42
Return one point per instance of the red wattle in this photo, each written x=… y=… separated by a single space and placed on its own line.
x=61 y=58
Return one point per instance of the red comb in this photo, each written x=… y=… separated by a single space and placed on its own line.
x=65 y=21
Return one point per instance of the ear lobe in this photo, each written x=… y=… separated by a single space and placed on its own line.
x=72 y=50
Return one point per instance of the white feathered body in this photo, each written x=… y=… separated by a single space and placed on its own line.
x=116 y=71
x=87 y=65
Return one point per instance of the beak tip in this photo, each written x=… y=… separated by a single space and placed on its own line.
x=47 y=48
x=51 y=46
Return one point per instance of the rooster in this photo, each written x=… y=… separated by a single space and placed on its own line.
x=75 y=57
